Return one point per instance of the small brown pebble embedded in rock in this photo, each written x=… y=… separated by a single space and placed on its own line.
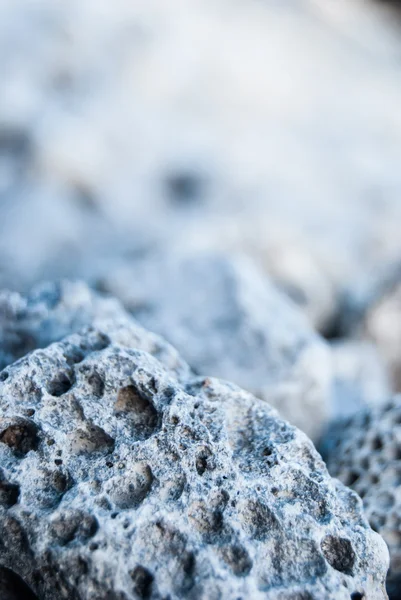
x=90 y=440
x=21 y=435
x=138 y=410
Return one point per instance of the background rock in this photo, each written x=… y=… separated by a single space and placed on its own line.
x=219 y=126
x=364 y=453
x=360 y=377
x=228 y=320
x=382 y=325
x=53 y=310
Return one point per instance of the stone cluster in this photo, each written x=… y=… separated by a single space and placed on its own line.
x=200 y=279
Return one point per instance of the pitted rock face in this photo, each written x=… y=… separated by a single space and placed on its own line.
x=53 y=310
x=227 y=320
x=364 y=452
x=133 y=484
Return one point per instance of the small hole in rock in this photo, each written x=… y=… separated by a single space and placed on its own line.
x=97 y=384
x=75 y=356
x=377 y=443
x=339 y=553
x=143 y=581
x=357 y=596
x=4 y=376
x=352 y=478
x=202 y=462
x=9 y=493
x=60 y=385
x=237 y=558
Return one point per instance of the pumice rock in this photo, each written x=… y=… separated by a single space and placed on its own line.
x=227 y=320
x=123 y=480
x=53 y=310
x=364 y=453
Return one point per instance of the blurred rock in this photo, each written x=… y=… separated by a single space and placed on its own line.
x=359 y=377
x=364 y=453
x=132 y=125
x=381 y=324
x=229 y=321
x=53 y=310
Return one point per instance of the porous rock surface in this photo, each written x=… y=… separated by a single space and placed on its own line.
x=364 y=452
x=227 y=320
x=55 y=309
x=119 y=482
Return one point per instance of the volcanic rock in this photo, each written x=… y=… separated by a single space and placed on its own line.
x=122 y=480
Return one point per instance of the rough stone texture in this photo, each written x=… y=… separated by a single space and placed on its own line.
x=360 y=377
x=227 y=320
x=53 y=310
x=120 y=482
x=364 y=453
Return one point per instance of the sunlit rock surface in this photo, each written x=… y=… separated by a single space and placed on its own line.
x=119 y=480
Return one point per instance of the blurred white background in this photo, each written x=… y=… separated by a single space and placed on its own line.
x=268 y=127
